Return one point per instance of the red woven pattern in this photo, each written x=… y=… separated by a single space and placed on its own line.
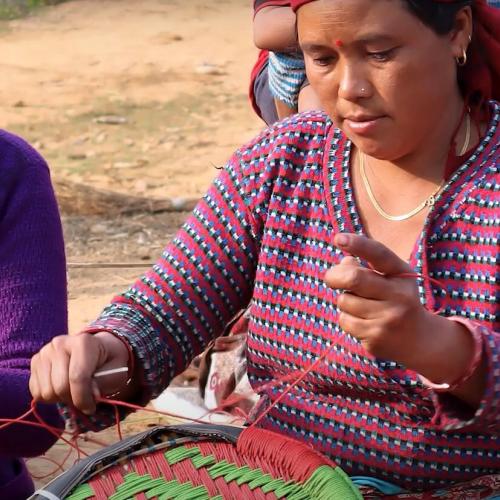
x=257 y=449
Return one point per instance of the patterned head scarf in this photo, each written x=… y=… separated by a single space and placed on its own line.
x=480 y=77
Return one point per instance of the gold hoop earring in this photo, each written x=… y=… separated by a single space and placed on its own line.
x=462 y=61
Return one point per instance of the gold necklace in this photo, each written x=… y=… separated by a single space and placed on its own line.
x=429 y=202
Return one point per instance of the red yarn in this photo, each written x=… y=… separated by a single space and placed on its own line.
x=59 y=466
x=286 y=456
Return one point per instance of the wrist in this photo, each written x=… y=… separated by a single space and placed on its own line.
x=113 y=382
x=454 y=352
x=425 y=354
x=115 y=349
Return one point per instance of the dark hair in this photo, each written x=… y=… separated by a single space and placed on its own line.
x=438 y=16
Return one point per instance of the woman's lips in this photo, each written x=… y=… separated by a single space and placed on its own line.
x=362 y=125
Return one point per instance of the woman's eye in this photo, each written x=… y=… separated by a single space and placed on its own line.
x=381 y=56
x=323 y=61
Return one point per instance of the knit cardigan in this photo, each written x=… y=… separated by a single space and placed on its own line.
x=32 y=301
x=264 y=233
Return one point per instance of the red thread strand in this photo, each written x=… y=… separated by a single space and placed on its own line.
x=59 y=466
x=118 y=427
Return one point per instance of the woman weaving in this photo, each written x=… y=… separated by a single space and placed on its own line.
x=368 y=232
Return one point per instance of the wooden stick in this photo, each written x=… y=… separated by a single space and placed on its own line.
x=108 y=265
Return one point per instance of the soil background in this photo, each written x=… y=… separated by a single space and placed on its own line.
x=138 y=98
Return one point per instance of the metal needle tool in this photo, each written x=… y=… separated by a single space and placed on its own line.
x=105 y=373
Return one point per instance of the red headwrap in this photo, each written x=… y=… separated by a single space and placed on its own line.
x=481 y=75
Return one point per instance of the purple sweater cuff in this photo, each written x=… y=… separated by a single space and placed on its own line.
x=19 y=485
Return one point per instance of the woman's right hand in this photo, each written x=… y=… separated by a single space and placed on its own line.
x=63 y=370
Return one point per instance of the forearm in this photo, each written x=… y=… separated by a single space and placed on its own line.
x=169 y=315
x=274 y=28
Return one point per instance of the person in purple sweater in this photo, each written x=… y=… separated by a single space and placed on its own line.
x=33 y=303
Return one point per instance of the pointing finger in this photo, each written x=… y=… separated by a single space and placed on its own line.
x=379 y=257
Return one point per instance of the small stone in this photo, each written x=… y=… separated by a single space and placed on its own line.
x=100 y=138
x=141 y=239
x=81 y=140
x=19 y=104
x=110 y=120
x=128 y=142
x=119 y=236
x=142 y=162
x=179 y=203
x=166 y=38
x=124 y=164
x=208 y=69
x=98 y=229
x=168 y=146
x=77 y=156
x=141 y=186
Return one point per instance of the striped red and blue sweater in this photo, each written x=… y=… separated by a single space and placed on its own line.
x=263 y=233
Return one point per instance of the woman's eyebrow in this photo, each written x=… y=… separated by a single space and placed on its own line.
x=363 y=40
x=313 y=47
x=374 y=38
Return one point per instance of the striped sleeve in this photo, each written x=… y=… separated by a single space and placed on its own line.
x=201 y=280
x=472 y=237
x=287 y=73
x=486 y=419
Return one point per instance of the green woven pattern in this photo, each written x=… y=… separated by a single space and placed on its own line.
x=326 y=483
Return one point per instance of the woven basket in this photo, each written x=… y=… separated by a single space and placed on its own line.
x=203 y=462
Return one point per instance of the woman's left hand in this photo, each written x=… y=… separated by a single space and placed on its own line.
x=380 y=306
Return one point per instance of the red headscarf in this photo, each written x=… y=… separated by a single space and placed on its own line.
x=480 y=77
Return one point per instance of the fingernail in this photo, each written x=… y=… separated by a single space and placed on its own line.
x=341 y=240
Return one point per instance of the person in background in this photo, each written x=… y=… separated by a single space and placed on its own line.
x=279 y=86
x=33 y=303
x=365 y=238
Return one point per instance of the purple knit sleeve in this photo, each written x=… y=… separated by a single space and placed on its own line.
x=33 y=306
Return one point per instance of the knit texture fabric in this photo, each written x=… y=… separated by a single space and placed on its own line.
x=264 y=232
x=32 y=300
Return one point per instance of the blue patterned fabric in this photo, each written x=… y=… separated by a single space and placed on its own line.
x=287 y=74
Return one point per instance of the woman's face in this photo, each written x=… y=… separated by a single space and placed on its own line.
x=387 y=80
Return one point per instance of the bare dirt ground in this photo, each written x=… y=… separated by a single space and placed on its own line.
x=140 y=97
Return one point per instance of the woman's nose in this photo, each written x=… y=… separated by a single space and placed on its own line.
x=352 y=84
